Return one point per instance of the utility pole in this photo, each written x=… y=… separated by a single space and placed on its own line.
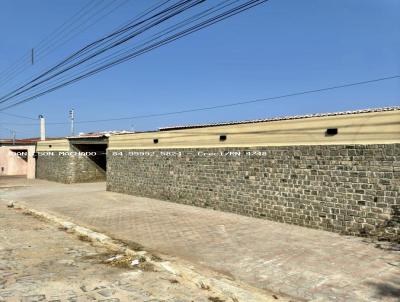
x=33 y=56
x=42 y=128
x=14 y=133
x=72 y=118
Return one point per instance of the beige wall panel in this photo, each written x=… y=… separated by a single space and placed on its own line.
x=56 y=145
x=364 y=128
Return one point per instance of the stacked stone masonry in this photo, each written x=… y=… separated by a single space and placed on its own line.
x=61 y=167
x=352 y=189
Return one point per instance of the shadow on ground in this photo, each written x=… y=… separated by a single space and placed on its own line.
x=387 y=290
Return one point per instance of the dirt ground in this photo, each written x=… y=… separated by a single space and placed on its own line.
x=40 y=262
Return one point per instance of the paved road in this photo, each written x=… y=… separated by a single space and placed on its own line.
x=39 y=262
x=301 y=262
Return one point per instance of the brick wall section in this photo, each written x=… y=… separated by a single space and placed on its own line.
x=350 y=189
x=68 y=169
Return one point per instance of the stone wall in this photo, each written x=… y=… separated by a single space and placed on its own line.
x=61 y=167
x=352 y=189
x=52 y=166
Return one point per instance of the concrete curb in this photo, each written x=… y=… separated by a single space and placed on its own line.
x=217 y=284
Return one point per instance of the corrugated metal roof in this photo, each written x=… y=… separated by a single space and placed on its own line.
x=280 y=118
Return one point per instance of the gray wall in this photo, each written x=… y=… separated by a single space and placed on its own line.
x=353 y=189
x=54 y=167
x=67 y=169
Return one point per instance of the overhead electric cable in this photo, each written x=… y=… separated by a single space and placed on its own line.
x=163 y=15
x=65 y=35
x=174 y=37
x=135 y=18
x=17 y=115
x=109 y=7
x=250 y=101
x=56 y=31
x=259 y=100
x=154 y=37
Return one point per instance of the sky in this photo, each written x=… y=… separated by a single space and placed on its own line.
x=280 y=47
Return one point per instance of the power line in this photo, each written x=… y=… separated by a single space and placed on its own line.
x=288 y=95
x=154 y=37
x=137 y=17
x=19 y=116
x=77 y=54
x=81 y=29
x=36 y=85
x=37 y=46
x=156 y=19
x=62 y=35
x=171 y=38
x=13 y=131
x=81 y=15
x=251 y=101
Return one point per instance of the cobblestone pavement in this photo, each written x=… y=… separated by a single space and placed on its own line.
x=300 y=262
x=38 y=262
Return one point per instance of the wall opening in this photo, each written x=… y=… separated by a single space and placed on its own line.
x=331 y=131
x=91 y=164
x=21 y=153
x=15 y=162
